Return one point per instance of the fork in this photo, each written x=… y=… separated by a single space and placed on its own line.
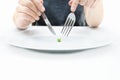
x=69 y=23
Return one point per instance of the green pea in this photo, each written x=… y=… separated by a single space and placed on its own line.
x=59 y=40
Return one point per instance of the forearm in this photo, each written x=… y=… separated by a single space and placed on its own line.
x=94 y=15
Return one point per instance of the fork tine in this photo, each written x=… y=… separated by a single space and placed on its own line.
x=66 y=22
x=66 y=25
x=69 y=25
x=72 y=24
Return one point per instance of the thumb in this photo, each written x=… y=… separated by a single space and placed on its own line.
x=74 y=5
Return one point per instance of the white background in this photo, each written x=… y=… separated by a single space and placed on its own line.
x=99 y=64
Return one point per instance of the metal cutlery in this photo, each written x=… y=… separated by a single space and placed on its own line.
x=69 y=23
x=48 y=23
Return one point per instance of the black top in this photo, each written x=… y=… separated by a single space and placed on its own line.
x=57 y=12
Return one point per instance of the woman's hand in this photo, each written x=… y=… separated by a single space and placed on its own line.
x=27 y=12
x=87 y=3
x=93 y=11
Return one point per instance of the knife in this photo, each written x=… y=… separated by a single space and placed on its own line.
x=48 y=23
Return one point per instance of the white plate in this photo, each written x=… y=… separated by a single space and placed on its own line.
x=40 y=38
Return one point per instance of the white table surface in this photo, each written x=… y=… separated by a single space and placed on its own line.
x=96 y=64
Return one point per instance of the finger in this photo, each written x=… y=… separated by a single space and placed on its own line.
x=30 y=5
x=26 y=17
x=88 y=3
x=23 y=9
x=39 y=5
x=42 y=1
x=83 y=2
x=70 y=2
x=92 y=2
x=74 y=5
x=95 y=3
x=23 y=20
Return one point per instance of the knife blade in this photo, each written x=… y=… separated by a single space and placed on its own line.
x=48 y=23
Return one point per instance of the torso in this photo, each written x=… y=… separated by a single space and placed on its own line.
x=57 y=12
